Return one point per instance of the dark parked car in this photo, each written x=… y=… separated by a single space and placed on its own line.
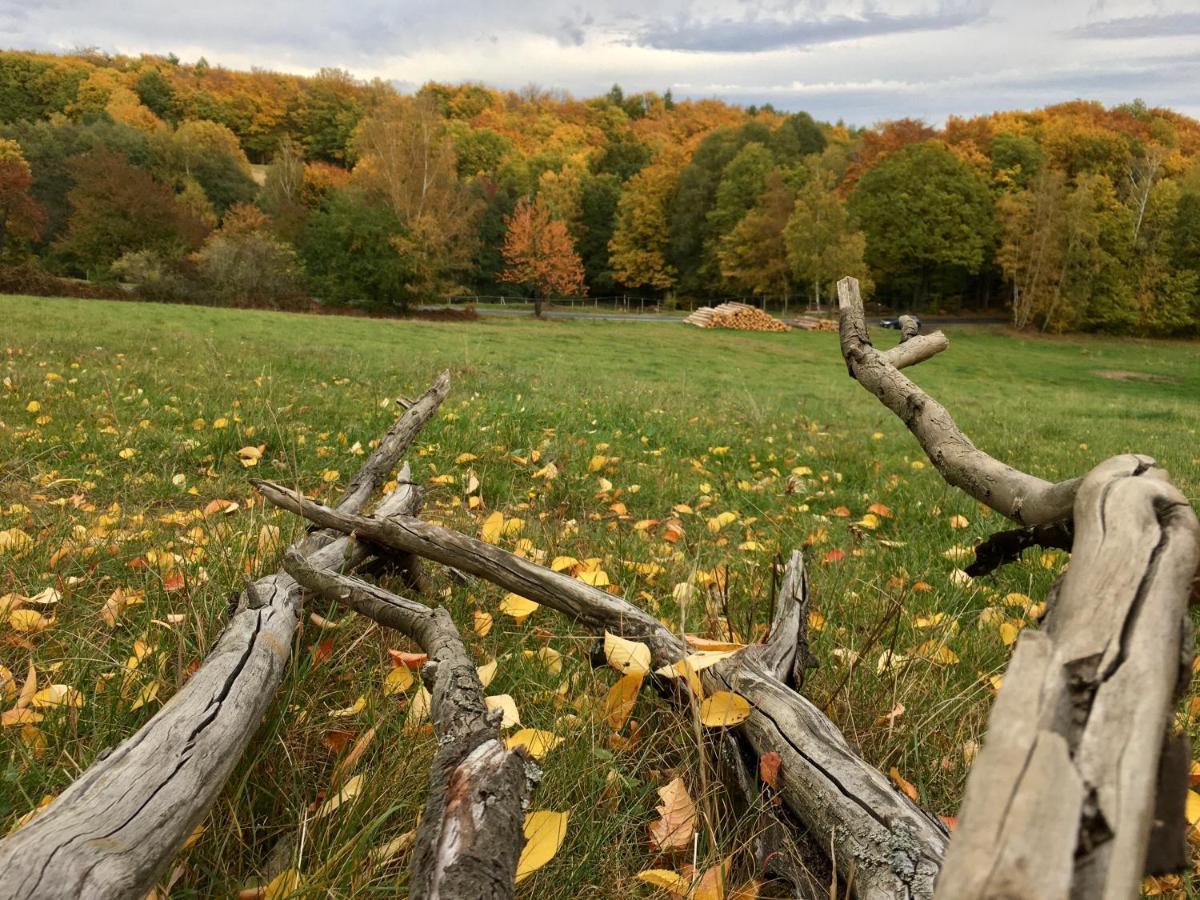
x=895 y=323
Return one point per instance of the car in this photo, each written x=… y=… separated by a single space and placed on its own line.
x=895 y=323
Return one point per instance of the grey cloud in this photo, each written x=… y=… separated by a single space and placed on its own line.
x=748 y=35
x=1163 y=25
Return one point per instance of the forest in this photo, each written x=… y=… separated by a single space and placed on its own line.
x=199 y=184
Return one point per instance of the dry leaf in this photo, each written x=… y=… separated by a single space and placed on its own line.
x=724 y=708
x=544 y=833
x=536 y=742
x=677 y=819
x=507 y=706
x=626 y=656
x=906 y=786
x=621 y=698
x=517 y=607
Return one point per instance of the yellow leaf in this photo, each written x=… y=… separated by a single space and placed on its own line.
x=145 y=695
x=127 y=453
x=330 y=475
x=29 y=621
x=594 y=577
x=537 y=743
x=57 y=695
x=544 y=833
x=959 y=522
x=626 y=656
x=696 y=662
x=562 y=563
x=517 y=607
x=669 y=881
x=418 y=711
x=398 y=680
x=19 y=716
x=719 y=521
x=1009 y=631
x=483 y=623
x=352 y=710
x=936 y=651
x=750 y=546
x=464 y=458
x=283 y=885
x=33 y=406
x=596 y=463
x=487 y=672
x=907 y=787
x=492 y=527
x=507 y=706
x=618 y=704
x=724 y=708
x=249 y=456
x=1193 y=808
x=870 y=521
x=15 y=542
x=349 y=791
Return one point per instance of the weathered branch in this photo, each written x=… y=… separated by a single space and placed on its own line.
x=1005 y=547
x=786 y=654
x=113 y=831
x=916 y=349
x=1021 y=497
x=470 y=835
x=1062 y=798
x=880 y=839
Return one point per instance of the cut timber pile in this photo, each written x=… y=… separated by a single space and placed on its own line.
x=812 y=323
x=737 y=316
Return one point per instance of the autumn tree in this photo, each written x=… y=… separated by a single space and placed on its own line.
x=822 y=245
x=405 y=159
x=242 y=263
x=116 y=208
x=539 y=253
x=640 y=242
x=20 y=215
x=753 y=256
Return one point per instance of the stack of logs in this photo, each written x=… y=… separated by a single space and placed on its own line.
x=737 y=316
x=812 y=323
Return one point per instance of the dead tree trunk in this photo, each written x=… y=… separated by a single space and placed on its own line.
x=470 y=836
x=1073 y=778
x=114 y=830
x=879 y=840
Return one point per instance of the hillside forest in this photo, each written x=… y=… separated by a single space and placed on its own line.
x=200 y=184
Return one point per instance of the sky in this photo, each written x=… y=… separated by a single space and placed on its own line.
x=861 y=61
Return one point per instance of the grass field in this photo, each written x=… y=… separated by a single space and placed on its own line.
x=120 y=423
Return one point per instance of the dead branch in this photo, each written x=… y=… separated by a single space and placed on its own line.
x=115 y=829
x=878 y=838
x=470 y=835
x=1005 y=547
x=1023 y=498
x=1062 y=798
x=916 y=349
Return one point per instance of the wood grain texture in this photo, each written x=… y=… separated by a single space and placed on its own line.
x=470 y=835
x=880 y=839
x=114 y=830
x=1062 y=799
x=1021 y=497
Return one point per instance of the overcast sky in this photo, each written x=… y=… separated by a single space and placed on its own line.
x=860 y=61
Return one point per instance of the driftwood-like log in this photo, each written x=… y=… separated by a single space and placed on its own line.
x=877 y=838
x=114 y=830
x=470 y=835
x=916 y=349
x=1023 y=498
x=1062 y=799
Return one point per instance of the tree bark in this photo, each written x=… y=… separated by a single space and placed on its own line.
x=880 y=840
x=1063 y=797
x=470 y=835
x=115 y=829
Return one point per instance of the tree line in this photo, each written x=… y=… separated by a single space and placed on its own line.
x=202 y=184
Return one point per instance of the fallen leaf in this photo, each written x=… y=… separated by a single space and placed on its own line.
x=676 y=824
x=669 y=881
x=768 y=769
x=907 y=787
x=517 y=607
x=352 y=710
x=544 y=833
x=723 y=709
x=536 y=742
x=618 y=704
x=349 y=791
x=412 y=661
x=625 y=655
x=507 y=706
x=398 y=680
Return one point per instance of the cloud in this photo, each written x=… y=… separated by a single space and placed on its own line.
x=1132 y=27
x=753 y=34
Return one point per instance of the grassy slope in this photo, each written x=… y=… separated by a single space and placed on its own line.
x=661 y=397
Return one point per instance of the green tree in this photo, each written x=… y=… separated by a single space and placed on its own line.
x=822 y=243
x=753 y=256
x=282 y=196
x=350 y=254
x=155 y=92
x=242 y=263
x=928 y=218
x=797 y=136
x=328 y=113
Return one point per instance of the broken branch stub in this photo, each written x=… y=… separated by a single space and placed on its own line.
x=113 y=831
x=470 y=836
x=1062 y=798
x=1021 y=497
x=891 y=852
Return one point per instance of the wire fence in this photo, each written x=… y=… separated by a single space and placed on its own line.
x=634 y=304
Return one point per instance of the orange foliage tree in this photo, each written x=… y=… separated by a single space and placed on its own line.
x=539 y=253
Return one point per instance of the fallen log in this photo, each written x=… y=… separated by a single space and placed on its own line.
x=114 y=830
x=1023 y=498
x=470 y=835
x=1080 y=766
x=878 y=839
